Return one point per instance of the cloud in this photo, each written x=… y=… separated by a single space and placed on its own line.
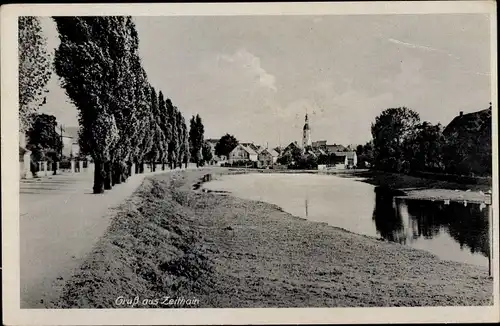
x=421 y=47
x=252 y=65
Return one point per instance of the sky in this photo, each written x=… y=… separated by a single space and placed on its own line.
x=257 y=76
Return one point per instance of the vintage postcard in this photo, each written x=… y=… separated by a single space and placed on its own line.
x=250 y=163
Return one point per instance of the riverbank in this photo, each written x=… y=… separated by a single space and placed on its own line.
x=220 y=251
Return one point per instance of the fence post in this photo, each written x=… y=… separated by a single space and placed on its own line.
x=72 y=166
x=80 y=166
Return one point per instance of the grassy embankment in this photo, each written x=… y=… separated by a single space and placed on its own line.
x=229 y=252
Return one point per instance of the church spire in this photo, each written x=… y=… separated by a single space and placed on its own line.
x=306 y=124
x=306 y=134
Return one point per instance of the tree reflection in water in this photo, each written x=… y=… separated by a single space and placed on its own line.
x=467 y=225
x=387 y=217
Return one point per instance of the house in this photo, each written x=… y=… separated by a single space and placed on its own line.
x=471 y=136
x=255 y=148
x=469 y=122
x=344 y=160
x=318 y=151
x=69 y=136
x=267 y=157
x=320 y=144
x=293 y=145
x=243 y=153
x=217 y=160
x=335 y=148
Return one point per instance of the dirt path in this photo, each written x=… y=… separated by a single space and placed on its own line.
x=60 y=222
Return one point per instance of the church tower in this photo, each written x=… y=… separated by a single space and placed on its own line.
x=306 y=134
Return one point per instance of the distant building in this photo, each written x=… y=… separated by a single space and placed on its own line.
x=335 y=148
x=267 y=157
x=289 y=148
x=69 y=136
x=243 y=153
x=471 y=136
x=469 y=122
x=255 y=148
x=345 y=160
x=319 y=144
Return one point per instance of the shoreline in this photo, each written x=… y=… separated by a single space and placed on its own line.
x=230 y=252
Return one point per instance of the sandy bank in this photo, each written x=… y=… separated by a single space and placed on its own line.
x=171 y=241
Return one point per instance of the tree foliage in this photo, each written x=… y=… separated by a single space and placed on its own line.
x=196 y=137
x=365 y=154
x=402 y=143
x=424 y=150
x=392 y=128
x=34 y=68
x=207 y=152
x=43 y=140
x=225 y=145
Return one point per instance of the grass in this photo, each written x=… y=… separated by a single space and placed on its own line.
x=229 y=252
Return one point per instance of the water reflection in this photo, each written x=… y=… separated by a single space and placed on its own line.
x=410 y=221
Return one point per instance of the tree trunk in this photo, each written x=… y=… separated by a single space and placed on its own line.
x=129 y=168
x=186 y=164
x=117 y=173
x=137 y=166
x=124 y=172
x=108 y=177
x=98 y=178
x=112 y=174
x=163 y=166
x=54 y=168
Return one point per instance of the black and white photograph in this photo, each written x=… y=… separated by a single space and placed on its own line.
x=187 y=156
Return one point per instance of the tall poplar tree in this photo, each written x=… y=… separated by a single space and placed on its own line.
x=83 y=63
x=162 y=112
x=34 y=68
x=172 y=129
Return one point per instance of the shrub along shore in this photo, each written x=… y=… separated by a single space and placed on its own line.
x=172 y=246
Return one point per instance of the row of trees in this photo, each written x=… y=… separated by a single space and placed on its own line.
x=123 y=119
x=403 y=143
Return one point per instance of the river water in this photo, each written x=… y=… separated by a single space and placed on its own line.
x=450 y=231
